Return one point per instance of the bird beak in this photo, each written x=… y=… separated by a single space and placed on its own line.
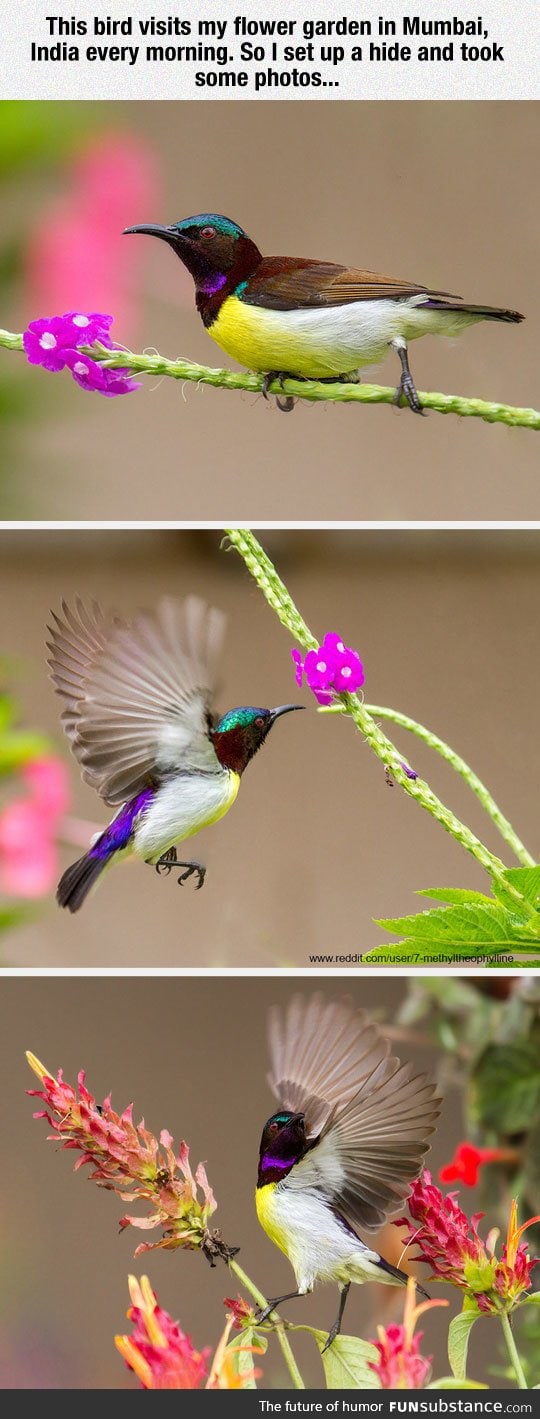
x=168 y=234
x=284 y=709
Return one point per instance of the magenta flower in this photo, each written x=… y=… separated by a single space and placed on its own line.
x=46 y=340
x=55 y=343
x=401 y=1364
x=334 y=666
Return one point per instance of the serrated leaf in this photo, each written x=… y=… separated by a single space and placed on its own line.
x=347 y=1362
x=527 y=880
x=458 y=1342
x=506 y=1087
x=453 y=895
x=477 y=924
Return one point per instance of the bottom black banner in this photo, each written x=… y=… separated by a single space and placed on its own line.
x=264 y=1404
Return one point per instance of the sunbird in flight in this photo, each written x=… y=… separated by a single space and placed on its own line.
x=339 y=1155
x=291 y=316
x=139 y=714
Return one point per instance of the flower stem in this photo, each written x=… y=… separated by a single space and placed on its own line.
x=264 y=573
x=311 y=390
x=280 y=1328
x=512 y=1351
x=482 y=793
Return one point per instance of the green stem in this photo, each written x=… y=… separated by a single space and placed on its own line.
x=482 y=793
x=264 y=573
x=280 y=1328
x=512 y=1351
x=312 y=390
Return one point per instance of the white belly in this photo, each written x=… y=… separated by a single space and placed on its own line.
x=335 y=340
x=181 y=808
x=318 y=1246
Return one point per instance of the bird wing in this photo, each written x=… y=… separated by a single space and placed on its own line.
x=286 y=283
x=368 y=1117
x=137 y=696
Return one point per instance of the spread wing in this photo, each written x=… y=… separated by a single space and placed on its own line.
x=137 y=696
x=368 y=1117
x=286 y=283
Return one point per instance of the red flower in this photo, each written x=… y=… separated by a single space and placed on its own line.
x=128 y=1159
x=456 y=1253
x=400 y=1364
x=158 y=1352
x=468 y=1160
x=239 y=1311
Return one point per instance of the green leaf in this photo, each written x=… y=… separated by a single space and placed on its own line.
x=243 y=1358
x=527 y=880
x=458 y=1342
x=453 y=895
x=456 y=933
x=506 y=1087
x=346 y=1363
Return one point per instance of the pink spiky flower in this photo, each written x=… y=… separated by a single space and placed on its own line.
x=129 y=1160
x=450 y=1243
x=400 y=1364
x=157 y=1351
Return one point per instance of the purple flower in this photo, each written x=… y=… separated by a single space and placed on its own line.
x=409 y=772
x=55 y=344
x=334 y=666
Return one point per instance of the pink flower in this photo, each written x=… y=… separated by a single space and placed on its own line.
x=76 y=254
x=128 y=1159
x=29 y=829
x=451 y=1244
x=239 y=1311
x=468 y=1160
x=400 y=1364
x=333 y=666
x=158 y=1352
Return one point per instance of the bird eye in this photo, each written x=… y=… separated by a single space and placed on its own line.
x=208 y=232
x=273 y=1127
x=259 y=720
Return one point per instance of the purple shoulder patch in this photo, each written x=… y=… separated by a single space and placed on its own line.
x=118 y=833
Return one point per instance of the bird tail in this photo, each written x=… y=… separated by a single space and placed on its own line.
x=74 y=886
x=480 y=312
x=400 y=1275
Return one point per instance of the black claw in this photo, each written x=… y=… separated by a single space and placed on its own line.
x=168 y=860
x=286 y=405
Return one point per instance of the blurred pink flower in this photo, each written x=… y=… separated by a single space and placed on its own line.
x=76 y=256
x=29 y=828
x=400 y=1364
x=158 y=1352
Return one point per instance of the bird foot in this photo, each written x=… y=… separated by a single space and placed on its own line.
x=406 y=388
x=168 y=860
x=286 y=405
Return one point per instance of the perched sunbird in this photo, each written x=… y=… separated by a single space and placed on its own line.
x=138 y=711
x=339 y=1155
x=289 y=316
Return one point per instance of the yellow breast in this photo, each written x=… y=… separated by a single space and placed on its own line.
x=268 y=1214
x=264 y=339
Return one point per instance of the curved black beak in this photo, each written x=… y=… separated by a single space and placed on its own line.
x=168 y=234
x=284 y=709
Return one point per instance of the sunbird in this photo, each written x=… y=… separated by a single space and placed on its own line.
x=349 y=1137
x=291 y=316
x=139 y=714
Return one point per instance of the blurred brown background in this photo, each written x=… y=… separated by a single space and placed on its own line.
x=192 y=1055
x=317 y=844
x=440 y=193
